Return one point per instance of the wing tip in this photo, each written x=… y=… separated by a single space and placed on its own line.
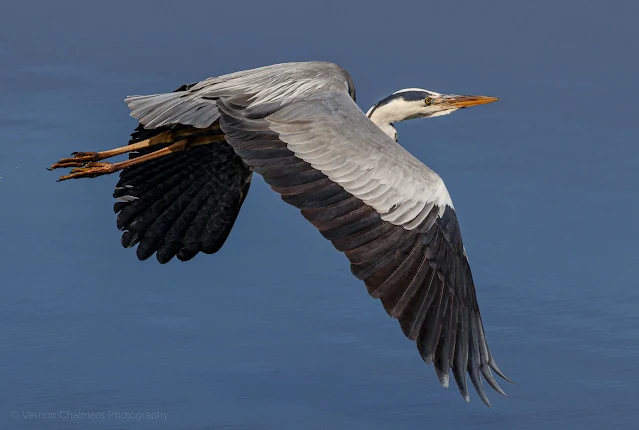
x=444 y=379
x=498 y=371
x=488 y=376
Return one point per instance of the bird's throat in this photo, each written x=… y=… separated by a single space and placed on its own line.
x=389 y=130
x=384 y=120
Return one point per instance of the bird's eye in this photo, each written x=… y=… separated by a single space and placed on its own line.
x=427 y=101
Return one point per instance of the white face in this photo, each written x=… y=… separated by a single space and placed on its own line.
x=418 y=103
x=425 y=103
x=411 y=103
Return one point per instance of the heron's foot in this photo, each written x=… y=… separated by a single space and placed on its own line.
x=92 y=169
x=79 y=159
x=89 y=170
x=83 y=159
x=87 y=166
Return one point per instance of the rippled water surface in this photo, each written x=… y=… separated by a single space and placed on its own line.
x=273 y=331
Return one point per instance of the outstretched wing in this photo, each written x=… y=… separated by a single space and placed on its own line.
x=299 y=127
x=183 y=203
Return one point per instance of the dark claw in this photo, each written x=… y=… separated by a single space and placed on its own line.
x=79 y=159
x=90 y=170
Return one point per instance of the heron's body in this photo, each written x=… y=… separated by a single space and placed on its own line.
x=298 y=126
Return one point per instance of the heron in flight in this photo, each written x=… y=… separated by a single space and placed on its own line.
x=190 y=165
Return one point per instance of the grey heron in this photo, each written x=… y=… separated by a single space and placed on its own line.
x=297 y=124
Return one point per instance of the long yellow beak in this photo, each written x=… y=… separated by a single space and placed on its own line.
x=467 y=101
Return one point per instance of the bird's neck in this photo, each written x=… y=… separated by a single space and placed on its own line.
x=381 y=118
x=384 y=115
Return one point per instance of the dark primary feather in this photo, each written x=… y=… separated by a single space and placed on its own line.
x=422 y=275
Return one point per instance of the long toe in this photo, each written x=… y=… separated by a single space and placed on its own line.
x=79 y=159
x=91 y=170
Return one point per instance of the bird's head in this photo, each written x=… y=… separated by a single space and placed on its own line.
x=418 y=103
